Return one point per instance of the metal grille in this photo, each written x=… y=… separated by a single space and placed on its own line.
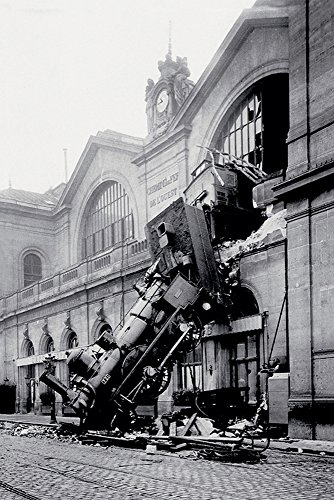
x=109 y=220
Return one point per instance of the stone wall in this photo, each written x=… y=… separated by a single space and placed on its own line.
x=309 y=200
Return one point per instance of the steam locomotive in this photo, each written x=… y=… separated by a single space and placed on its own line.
x=177 y=297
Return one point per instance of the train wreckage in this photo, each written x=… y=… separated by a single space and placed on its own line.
x=188 y=287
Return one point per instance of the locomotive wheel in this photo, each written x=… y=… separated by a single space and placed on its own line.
x=153 y=383
x=155 y=380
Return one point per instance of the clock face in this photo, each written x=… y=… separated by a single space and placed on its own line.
x=162 y=101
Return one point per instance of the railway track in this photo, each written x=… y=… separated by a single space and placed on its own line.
x=107 y=478
x=54 y=470
x=18 y=491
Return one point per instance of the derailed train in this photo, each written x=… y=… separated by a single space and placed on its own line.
x=178 y=295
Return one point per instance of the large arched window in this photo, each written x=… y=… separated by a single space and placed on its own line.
x=257 y=126
x=109 y=220
x=32 y=269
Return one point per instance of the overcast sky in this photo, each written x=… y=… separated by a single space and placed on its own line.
x=70 y=68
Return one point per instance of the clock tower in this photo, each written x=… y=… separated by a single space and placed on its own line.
x=165 y=97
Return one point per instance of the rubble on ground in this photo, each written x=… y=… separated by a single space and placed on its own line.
x=38 y=431
x=189 y=437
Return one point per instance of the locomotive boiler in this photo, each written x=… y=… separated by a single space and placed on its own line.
x=176 y=299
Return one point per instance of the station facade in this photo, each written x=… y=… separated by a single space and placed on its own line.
x=70 y=257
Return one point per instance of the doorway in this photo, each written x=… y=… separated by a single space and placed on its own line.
x=244 y=361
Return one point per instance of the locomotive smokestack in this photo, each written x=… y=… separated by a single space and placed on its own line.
x=56 y=385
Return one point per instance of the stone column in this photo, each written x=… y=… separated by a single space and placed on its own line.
x=300 y=321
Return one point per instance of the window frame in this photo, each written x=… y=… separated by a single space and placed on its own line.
x=242 y=132
x=261 y=132
x=32 y=277
x=108 y=220
x=190 y=368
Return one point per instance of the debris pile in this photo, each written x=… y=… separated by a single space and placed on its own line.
x=61 y=432
x=235 y=443
x=194 y=437
x=274 y=226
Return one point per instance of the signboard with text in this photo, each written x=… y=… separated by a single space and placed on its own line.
x=162 y=193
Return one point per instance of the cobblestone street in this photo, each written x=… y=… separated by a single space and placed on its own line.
x=41 y=469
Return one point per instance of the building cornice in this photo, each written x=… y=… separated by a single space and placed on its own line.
x=112 y=141
x=305 y=181
x=26 y=210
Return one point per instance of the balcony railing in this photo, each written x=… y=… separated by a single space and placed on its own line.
x=123 y=258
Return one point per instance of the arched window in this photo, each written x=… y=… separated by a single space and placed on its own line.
x=30 y=348
x=27 y=348
x=47 y=344
x=109 y=220
x=257 y=126
x=72 y=340
x=245 y=304
x=32 y=269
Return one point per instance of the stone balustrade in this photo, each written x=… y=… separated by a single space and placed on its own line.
x=119 y=258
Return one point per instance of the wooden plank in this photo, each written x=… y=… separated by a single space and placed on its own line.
x=204 y=428
x=172 y=429
x=219 y=440
x=188 y=425
x=194 y=441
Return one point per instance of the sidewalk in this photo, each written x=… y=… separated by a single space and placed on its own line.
x=304 y=446
x=32 y=419
x=288 y=445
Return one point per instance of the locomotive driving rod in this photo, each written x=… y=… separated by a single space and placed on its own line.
x=137 y=388
x=140 y=361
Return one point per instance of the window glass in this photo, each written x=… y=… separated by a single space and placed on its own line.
x=109 y=220
x=32 y=269
x=232 y=145
x=72 y=340
x=238 y=121
x=30 y=351
x=242 y=128
x=244 y=367
x=49 y=345
x=191 y=369
x=239 y=143
x=262 y=116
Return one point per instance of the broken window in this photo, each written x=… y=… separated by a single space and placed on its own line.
x=257 y=126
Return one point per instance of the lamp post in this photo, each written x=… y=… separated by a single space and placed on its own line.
x=50 y=367
x=29 y=402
